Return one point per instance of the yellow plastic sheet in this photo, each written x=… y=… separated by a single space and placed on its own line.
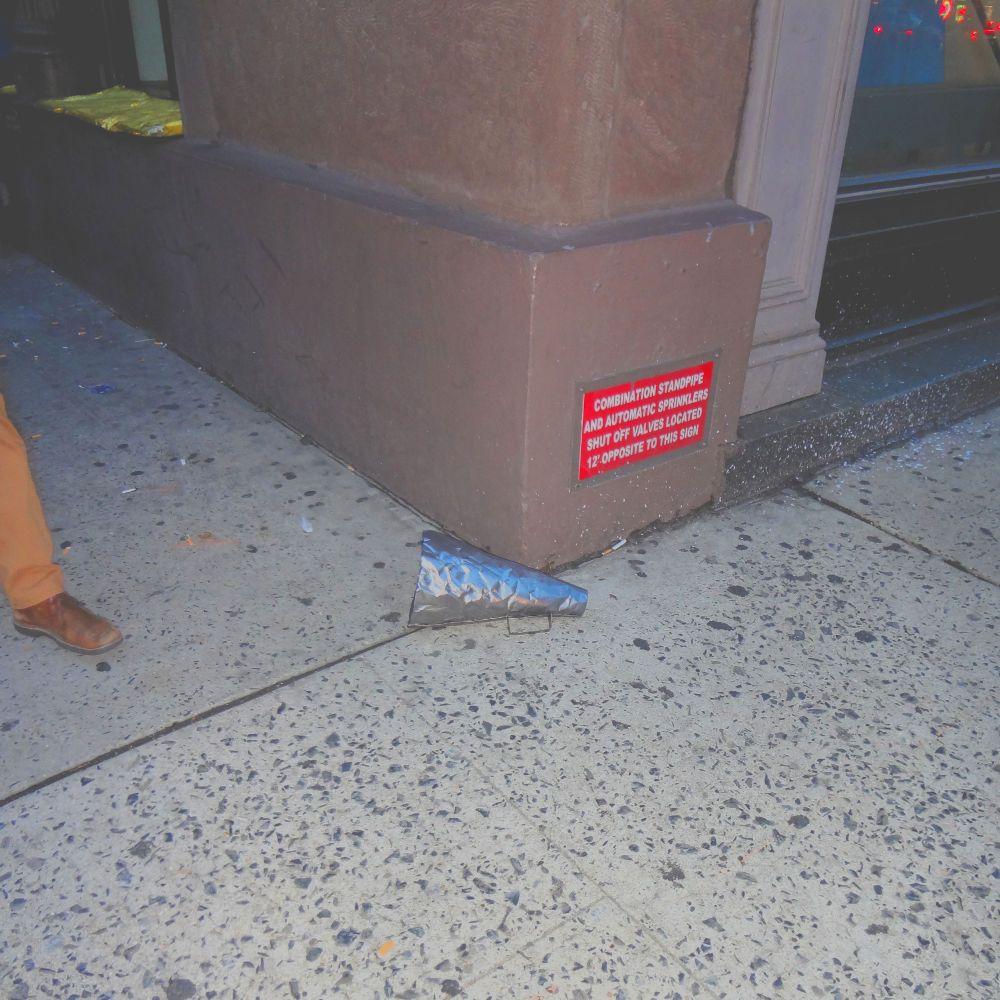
x=122 y=110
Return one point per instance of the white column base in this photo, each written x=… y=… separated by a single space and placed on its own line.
x=802 y=81
x=783 y=370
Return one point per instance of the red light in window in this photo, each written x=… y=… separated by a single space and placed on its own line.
x=945 y=9
x=878 y=29
x=908 y=32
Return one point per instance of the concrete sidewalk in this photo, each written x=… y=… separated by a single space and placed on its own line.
x=763 y=764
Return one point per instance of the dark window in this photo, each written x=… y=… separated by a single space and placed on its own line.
x=66 y=47
x=929 y=88
x=150 y=23
x=917 y=222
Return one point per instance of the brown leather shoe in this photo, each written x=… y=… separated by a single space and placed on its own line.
x=66 y=620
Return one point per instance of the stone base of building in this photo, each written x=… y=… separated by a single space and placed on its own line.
x=443 y=355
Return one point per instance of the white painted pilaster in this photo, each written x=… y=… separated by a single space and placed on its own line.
x=805 y=66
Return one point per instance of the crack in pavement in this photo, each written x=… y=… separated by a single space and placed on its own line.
x=243 y=699
x=191 y=720
x=804 y=490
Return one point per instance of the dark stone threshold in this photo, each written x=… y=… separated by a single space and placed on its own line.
x=868 y=402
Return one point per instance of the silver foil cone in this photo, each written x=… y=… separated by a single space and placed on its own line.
x=459 y=583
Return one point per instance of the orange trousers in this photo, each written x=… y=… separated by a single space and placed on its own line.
x=27 y=572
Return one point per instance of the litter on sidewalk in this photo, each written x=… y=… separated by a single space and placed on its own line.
x=202 y=540
x=119 y=109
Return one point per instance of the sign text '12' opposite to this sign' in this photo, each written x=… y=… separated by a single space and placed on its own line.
x=643 y=419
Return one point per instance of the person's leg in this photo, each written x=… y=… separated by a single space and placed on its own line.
x=32 y=582
x=27 y=573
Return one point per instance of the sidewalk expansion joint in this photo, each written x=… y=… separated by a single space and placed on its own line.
x=192 y=720
x=804 y=490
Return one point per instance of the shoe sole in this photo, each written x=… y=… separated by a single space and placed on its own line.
x=35 y=632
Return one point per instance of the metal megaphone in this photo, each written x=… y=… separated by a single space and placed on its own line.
x=459 y=583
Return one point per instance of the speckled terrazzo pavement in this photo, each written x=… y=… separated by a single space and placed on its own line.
x=206 y=565
x=939 y=490
x=763 y=764
x=785 y=770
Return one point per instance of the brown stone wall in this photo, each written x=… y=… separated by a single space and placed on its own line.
x=402 y=347
x=682 y=78
x=553 y=111
x=616 y=308
x=427 y=225
x=444 y=363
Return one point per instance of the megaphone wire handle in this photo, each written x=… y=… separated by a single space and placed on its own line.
x=534 y=631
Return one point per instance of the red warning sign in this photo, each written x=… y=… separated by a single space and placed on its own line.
x=636 y=421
